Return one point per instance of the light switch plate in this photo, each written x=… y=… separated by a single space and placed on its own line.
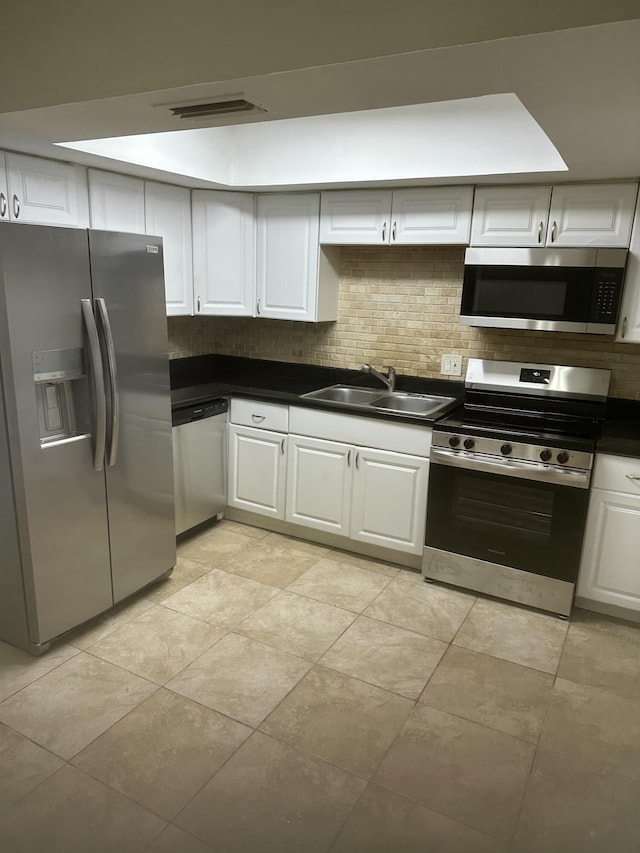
x=451 y=365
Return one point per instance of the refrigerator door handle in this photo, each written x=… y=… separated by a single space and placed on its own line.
x=100 y=437
x=112 y=371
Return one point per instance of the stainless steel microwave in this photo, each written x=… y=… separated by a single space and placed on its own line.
x=551 y=290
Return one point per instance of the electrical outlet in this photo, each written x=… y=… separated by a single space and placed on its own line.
x=451 y=365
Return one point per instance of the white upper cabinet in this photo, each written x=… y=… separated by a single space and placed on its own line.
x=168 y=215
x=356 y=217
x=598 y=215
x=592 y=215
x=423 y=216
x=510 y=216
x=224 y=253
x=431 y=215
x=629 y=322
x=295 y=280
x=116 y=202
x=44 y=192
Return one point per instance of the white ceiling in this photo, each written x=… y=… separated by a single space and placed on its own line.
x=581 y=86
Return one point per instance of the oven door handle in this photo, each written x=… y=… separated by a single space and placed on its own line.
x=512 y=468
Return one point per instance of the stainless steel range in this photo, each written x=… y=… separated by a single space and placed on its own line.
x=509 y=479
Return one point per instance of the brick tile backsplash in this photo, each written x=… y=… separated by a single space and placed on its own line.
x=400 y=306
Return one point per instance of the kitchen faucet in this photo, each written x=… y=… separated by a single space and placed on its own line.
x=389 y=380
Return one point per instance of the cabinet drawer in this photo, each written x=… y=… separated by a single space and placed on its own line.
x=257 y=414
x=615 y=474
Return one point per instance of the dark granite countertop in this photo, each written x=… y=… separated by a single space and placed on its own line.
x=621 y=433
x=199 y=378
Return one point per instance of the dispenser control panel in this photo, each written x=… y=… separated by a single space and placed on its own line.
x=58 y=365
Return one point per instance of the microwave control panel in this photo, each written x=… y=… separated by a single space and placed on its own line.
x=606 y=296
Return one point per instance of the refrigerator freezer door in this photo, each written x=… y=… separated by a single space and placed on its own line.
x=59 y=500
x=127 y=273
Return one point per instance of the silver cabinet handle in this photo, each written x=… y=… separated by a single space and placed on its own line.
x=624 y=327
x=358 y=459
x=16 y=207
x=258 y=418
x=540 y=230
x=554 y=229
x=633 y=476
x=3 y=205
x=258 y=307
x=393 y=230
x=198 y=304
x=98 y=385
x=384 y=232
x=112 y=371
x=349 y=457
x=282 y=446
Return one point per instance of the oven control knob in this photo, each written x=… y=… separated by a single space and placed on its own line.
x=563 y=457
x=506 y=449
x=454 y=441
x=545 y=455
x=469 y=443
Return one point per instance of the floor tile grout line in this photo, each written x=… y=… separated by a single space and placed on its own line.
x=384 y=787
x=35 y=680
x=534 y=743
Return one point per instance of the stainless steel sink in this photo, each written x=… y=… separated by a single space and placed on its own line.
x=413 y=404
x=345 y=395
x=420 y=405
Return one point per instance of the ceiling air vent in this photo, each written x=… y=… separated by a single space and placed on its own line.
x=217 y=108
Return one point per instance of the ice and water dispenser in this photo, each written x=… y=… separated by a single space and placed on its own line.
x=55 y=373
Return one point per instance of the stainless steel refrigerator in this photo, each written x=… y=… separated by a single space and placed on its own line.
x=86 y=470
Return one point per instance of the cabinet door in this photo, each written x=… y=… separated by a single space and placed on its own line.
x=257 y=470
x=389 y=506
x=168 y=215
x=610 y=569
x=510 y=216
x=433 y=215
x=116 y=202
x=4 y=190
x=287 y=256
x=356 y=217
x=46 y=192
x=592 y=215
x=319 y=484
x=629 y=323
x=224 y=236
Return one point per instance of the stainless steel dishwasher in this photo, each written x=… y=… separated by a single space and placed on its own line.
x=199 y=462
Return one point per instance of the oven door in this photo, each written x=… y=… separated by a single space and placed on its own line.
x=527 y=524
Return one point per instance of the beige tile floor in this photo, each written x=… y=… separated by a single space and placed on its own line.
x=277 y=696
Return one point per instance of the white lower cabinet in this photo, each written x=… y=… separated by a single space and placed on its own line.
x=365 y=494
x=319 y=484
x=389 y=501
x=257 y=470
x=610 y=569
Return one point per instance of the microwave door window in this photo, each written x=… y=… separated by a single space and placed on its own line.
x=510 y=297
x=537 y=293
